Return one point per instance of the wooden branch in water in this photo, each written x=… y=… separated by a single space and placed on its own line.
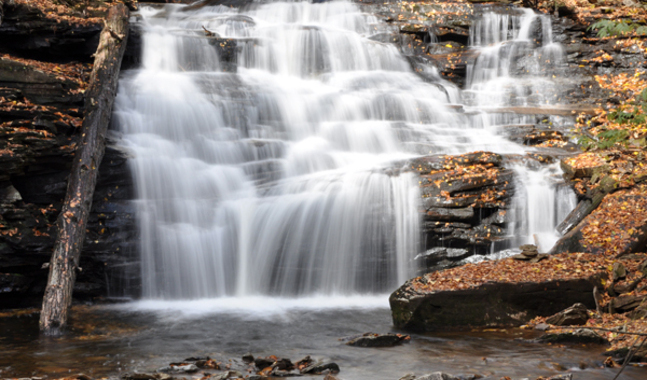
x=71 y=223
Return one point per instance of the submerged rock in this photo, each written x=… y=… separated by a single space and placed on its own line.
x=320 y=368
x=180 y=368
x=378 y=340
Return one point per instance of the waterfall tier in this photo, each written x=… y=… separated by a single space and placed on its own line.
x=283 y=177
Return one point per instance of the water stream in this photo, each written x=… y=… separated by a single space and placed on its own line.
x=278 y=178
x=146 y=336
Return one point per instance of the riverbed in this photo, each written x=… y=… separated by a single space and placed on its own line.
x=112 y=340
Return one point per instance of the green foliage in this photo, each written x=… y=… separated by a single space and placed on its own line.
x=629 y=116
x=606 y=28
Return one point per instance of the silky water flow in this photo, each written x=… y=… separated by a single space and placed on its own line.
x=283 y=177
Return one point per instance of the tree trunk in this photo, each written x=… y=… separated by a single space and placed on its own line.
x=71 y=223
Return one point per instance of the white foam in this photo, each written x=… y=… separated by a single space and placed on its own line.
x=255 y=307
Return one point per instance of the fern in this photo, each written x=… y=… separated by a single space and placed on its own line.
x=606 y=28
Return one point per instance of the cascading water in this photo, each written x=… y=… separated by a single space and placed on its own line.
x=515 y=67
x=281 y=178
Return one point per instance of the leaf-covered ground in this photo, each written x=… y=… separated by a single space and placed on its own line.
x=553 y=268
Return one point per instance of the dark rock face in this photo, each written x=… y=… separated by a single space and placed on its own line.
x=465 y=205
x=491 y=304
x=109 y=260
x=24 y=30
x=41 y=113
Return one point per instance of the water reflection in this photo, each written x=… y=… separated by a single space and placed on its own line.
x=111 y=341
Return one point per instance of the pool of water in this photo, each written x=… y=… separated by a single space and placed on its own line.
x=144 y=336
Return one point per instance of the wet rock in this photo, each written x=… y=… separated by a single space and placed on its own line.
x=248 y=358
x=542 y=327
x=320 y=368
x=207 y=363
x=438 y=376
x=422 y=309
x=437 y=255
x=140 y=376
x=568 y=376
x=227 y=375
x=37 y=85
x=582 y=209
x=578 y=336
x=261 y=363
x=499 y=217
x=431 y=163
x=575 y=315
x=444 y=202
x=529 y=250
x=451 y=214
x=620 y=355
x=26 y=30
x=284 y=364
x=378 y=340
x=180 y=368
x=530 y=253
x=304 y=363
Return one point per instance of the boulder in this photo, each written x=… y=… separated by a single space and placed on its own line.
x=584 y=165
x=583 y=335
x=417 y=306
x=575 y=315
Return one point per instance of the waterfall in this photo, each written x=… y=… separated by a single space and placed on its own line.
x=517 y=57
x=283 y=177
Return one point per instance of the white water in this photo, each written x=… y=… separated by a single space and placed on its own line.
x=515 y=66
x=274 y=180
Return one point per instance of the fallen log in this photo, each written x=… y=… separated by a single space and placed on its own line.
x=71 y=222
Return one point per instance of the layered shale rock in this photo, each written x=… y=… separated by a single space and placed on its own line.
x=43 y=76
x=465 y=202
x=495 y=293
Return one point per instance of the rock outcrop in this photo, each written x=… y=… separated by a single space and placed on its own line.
x=43 y=75
x=503 y=293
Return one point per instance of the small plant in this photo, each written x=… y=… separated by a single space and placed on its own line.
x=606 y=28
x=629 y=118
